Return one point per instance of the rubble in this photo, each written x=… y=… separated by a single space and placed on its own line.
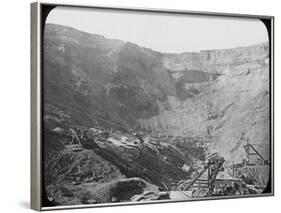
x=201 y=178
x=149 y=196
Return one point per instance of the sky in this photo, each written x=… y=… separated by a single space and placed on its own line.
x=172 y=33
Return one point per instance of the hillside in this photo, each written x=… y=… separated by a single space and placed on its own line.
x=220 y=93
x=175 y=109
x=93 y=79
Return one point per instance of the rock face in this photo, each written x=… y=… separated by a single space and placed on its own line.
x=93 y=79
x=227 y=99
x=218 y=93
x=218 y=98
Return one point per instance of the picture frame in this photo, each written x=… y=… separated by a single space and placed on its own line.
x=155 y=137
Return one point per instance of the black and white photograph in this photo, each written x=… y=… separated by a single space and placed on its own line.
x=145 y=106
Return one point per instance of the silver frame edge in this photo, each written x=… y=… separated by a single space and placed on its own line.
x=35 y=193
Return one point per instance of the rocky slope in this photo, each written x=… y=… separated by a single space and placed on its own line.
x=229 y=102
x=215 y=100
x=93 y=79
x=218 y=93
x=102 y=170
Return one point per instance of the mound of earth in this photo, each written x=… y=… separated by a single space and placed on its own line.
x=120 y=190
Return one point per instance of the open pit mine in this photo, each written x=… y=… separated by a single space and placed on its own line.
x=125 y=123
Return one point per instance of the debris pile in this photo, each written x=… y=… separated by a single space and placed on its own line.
x=149 y=195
